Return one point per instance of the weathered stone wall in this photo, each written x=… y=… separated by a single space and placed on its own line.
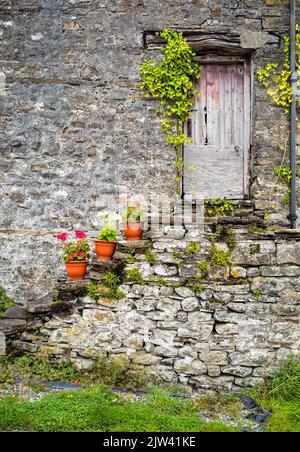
x=223 y=331
x=75 y=126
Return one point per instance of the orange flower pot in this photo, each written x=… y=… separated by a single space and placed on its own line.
x=76 y=270
x=133 y=231
x=105 y=250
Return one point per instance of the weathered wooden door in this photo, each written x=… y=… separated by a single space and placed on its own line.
x=216 y=164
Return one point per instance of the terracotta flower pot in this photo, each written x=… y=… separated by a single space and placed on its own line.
x=76 y=270
x=133 y=230
x=105 y=250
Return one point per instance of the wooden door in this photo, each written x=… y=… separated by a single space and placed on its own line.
x=216 y=164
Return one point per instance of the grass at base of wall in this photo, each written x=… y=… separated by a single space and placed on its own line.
x=285 y=417
x=36 y=368
x=77 y=411
x=280 y=394
x=100 y=410
x=110 y=371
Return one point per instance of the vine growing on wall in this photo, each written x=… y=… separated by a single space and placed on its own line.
x=276 y=78
x=172 y=83
x=284 y=173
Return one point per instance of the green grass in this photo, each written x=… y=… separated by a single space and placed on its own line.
x=280 y=394
x=255 y=229
x=224 y=234
x=285 y=417
x=100 y=410
x=111 y=280
x=109 y=288
x=115 y=371
x=36 y=368
x=176 y=254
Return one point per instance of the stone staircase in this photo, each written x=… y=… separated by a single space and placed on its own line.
x=64 y=298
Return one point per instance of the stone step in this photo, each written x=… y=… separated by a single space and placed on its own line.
x=139 y=246
x=68 y=290
x=12 y=326
x=66 y=298
x=98 y=268
x=16 y=312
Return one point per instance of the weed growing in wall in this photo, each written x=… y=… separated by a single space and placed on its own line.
x=108 y=287
x=150 y=257
x=284 y=173
x=220 y=207
x=276 y=78
x=203 y=268
x=192 y=248
x=133 y=275
x=5 y=301
x=220 y=258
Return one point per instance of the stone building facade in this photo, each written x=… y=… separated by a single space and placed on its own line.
x=76 y=127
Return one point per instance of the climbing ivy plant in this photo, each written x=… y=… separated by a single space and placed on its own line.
x=172 y=82
x=276 y=77
x=285 y=174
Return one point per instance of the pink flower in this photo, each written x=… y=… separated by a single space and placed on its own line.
x=132 y=203
x=139 y=199
x=135 y=201
x=80 y=235
x=63 y=236
x=123 y=198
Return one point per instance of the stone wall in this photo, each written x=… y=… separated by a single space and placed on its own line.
x=75 y=126
x=222 y=331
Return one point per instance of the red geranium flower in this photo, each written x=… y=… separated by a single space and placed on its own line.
x=80 y=235
x=63 y=236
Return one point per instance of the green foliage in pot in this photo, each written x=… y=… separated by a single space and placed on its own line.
x=134 y=210
x=108 y=234
x=108 y=231
x=77 y=250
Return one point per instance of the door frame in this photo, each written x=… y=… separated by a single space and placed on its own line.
x=248 y=112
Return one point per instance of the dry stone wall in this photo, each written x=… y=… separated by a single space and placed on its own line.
x=223 y=331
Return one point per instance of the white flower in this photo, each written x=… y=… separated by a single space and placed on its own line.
x=106 y=219
x=95 y=224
